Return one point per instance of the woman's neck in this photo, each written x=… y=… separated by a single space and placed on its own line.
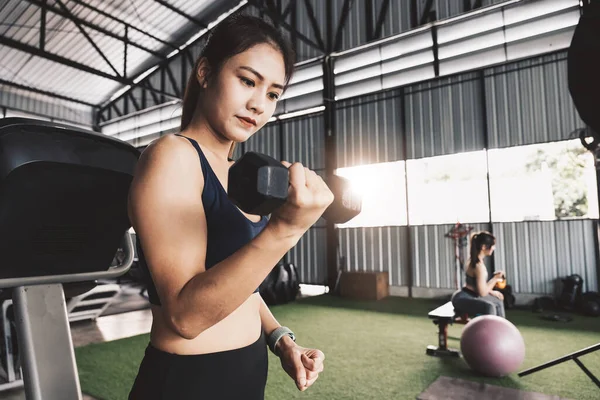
x=209 y=139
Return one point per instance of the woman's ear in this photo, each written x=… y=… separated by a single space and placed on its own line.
x=202 y=73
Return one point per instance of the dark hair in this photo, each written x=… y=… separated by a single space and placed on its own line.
x=478 y=240
x=234 y=35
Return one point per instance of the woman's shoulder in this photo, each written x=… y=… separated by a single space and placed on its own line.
x=169 y=161
x=167 y=143
x=168 y=172
x=168 y=149
x=480 y=267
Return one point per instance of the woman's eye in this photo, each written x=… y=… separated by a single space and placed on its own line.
x=273 y=96
x=247 y=81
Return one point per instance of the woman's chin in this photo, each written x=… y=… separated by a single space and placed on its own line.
x=240 y=135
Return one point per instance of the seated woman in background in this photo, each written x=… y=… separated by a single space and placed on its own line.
x=478 y=296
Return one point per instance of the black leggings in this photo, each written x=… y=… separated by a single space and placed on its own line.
x=466 y=301
x=232 y=374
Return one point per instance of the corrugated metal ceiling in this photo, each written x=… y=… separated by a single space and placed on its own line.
x=166 y=22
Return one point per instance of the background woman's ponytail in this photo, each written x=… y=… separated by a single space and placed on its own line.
x=478 y=240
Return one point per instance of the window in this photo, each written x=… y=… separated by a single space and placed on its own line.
x=538 y=182
x=448 y=189
x=543 y=182
x=383 y=190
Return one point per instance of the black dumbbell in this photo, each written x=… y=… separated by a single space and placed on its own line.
x=258 y=185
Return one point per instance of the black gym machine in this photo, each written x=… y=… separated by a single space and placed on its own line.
x=63 y=214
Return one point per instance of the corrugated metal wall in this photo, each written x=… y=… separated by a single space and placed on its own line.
x=440 y=117
x=304 y=141
x=42 y=105
x=433 y=260
x=535 y=254
x=387 y=249
x=304 y=51
x=450 y=8
x=309 y=256
x=355 y=30
x=369 y=129
x=529 y=102
x=354 y=33
x=525 y=102
x=377 y=249
x=444 y=117
x=265 y=141
x=398 y=18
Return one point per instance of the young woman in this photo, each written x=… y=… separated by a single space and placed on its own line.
x=205 y=258
x=478 y=296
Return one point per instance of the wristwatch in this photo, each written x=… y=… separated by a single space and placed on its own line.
x=277 y=334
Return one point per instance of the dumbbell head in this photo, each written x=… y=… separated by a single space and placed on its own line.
x=258 y=184
x=346 y=205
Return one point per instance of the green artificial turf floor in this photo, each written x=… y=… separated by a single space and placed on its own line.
x=376 y=350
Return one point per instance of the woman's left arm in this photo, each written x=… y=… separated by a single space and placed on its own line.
x=301 y=364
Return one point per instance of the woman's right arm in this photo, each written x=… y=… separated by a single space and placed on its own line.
x=165 y=207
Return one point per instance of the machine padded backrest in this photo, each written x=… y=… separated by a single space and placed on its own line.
x=63 y=198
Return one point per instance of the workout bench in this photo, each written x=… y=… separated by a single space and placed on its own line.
x=442 y=317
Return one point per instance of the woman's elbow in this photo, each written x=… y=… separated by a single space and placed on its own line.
x=184 y=327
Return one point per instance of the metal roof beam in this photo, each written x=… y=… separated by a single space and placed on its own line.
x=287 y=10
x=73 y=18
x=89 y=39
x=279 y=20
x=43 y=26
x=59 y=59
x=343 y=18
x=145 y=84
x=383 y=12
x=73 y=64
x=469 y=5
x=315 y=26
x=178 y=11
x=127 y=24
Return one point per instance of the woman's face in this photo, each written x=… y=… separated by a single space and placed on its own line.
x=490 y=251
x=243 y=96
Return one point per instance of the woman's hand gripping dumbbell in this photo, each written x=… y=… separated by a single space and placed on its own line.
x=259 y=185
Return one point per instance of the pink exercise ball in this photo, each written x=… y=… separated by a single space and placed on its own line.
x=492 y=346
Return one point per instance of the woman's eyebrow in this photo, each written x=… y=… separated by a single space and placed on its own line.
x=259 y=76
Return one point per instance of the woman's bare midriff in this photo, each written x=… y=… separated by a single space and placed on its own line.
x=239 y=329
